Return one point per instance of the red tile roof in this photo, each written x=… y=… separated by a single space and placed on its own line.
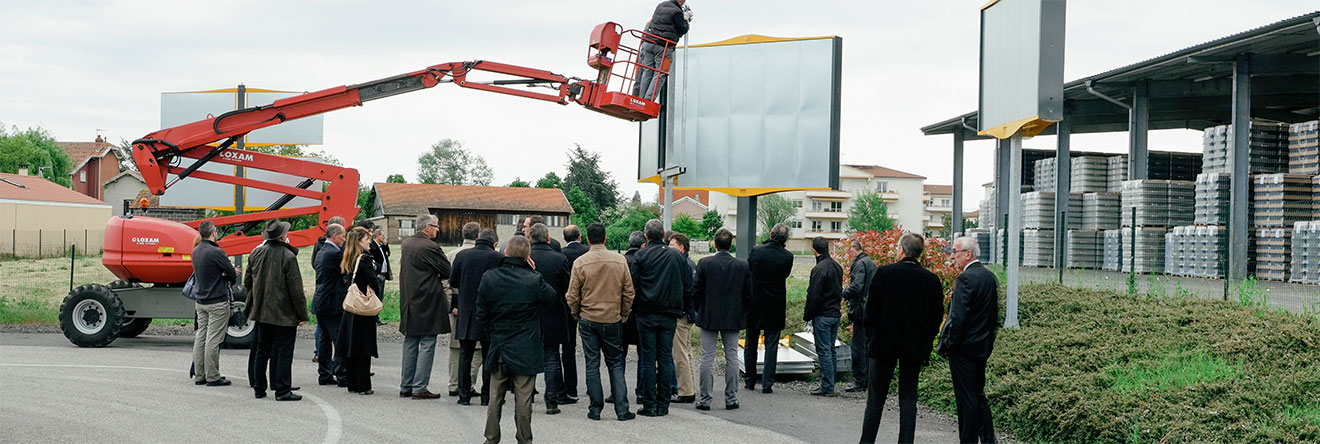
x=408 y=198
x=40 y=190
x=79 y=151
x=879 y=171
x=939 y=189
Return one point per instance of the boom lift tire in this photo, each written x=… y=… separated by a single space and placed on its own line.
x=91 y=316
x=133 y=327
x=244 y=336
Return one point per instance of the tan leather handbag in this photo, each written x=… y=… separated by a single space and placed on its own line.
x=359 y=303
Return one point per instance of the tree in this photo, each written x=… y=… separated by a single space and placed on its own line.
x=711 y=222
x=519 y=183
x=584 y=210
x=773 y=209
x=395 y=178
x=550 y=180
x=35 y=149
x=584 y=172
x=630 y=218
x=637 y=198
x=366 y=207
x=449 y=163
x=684 y=223
x=869 y=213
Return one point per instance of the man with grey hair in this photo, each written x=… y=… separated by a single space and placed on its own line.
x=469 y=267
x=328 y=306
x=470 y=231
x=665 y=281
x=860 y=275
x=968 y=339
x=553 y=267
x=423 y=303
x=903 y=313
x=213 y=274
x=771 y=264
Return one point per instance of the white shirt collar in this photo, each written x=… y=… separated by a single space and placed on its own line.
x=974 y=261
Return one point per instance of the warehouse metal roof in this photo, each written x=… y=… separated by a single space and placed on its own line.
x=1189 y=89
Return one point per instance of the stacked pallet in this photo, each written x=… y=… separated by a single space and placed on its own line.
x=1100 y=211
x=1280 y=200
x=1268 y=148
x=1315 y=198
x=1113 y=248
x=1147 y=245
x=1272 y=253
x=1118 y=173
x=1195 y=251
x=1085 y=249
x=1305 y=268
x=1175 y=249
x=1090 y=174
x=1046 y=176
x=1038 y=209
x=983 y=243
x=1158 y=203
x=1212 y=198
x=1002 y=249
x=1173 y=166
x=1037 y=248
x=1304 y=148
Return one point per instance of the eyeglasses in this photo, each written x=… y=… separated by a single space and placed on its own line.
x=433 y=225
x=956 y=250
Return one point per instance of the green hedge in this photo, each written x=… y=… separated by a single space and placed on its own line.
x=1097 y=366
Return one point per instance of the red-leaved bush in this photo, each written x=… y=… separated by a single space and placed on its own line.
x=883 y=249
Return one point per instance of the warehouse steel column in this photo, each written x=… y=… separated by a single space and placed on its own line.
x=957 y=215
x=1063 y=186
x=1237 y=209
x=1138 y=127
x=1003 y=193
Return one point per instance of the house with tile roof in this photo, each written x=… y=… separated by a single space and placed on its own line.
x=40 y=218
x=395 y=205
x=94 y=163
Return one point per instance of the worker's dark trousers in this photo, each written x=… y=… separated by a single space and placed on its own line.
x=275 y=350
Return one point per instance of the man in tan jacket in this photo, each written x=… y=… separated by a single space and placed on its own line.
x=600 y=295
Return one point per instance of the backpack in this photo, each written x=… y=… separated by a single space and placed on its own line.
x=190 y=288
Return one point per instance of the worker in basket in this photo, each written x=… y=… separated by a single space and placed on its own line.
x=670 y=22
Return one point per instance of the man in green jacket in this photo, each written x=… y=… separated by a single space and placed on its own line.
x=277 y=304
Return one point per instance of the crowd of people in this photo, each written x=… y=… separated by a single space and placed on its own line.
x=516 y=309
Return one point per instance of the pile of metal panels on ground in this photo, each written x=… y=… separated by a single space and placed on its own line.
x=1147 y=245
x=1118 y=173
x=1037 y=248
x=1268 y=148
x=805 y=343
x=1100 y=211
x=1090 y=174
x=1273 y=253
x=1113 y=247
x=1304 y=148
x=1085 y=249
x=1305 y=267
x=1212 y=198
x=1280 y=200
x=1158 y=203
x=1173 y=166
x=1046 y=177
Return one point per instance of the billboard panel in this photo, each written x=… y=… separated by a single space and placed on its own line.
x=198 y=193
x=1021 y=66
x=751 y=115
x=178 y=108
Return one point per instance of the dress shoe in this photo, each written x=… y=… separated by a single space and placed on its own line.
x=552 y=410
x=453 y=393
x=289 y=397
x=594 y=416
x=316 y=358
x=327 y=382
x=462 y=401
x=855 y=389
x=295 y=388
x=258 y=394
x=219 y=383
x=647 y=411
x=733 y=406
x=662 y=412
x=767 y=390
x=609 y=399
x=367 y=392
x=685 y=399
x=627 y=416
x=341 y=383
x=750 y=386
x=568 y=400
x=199 y=382
x=426 y=395
x=703 y=407
x=371 y=373
x=819 y=392
x=405 y=394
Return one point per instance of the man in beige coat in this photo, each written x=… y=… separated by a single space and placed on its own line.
x=600 y=296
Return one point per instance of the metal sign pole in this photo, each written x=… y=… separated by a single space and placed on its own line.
x=240 y=195
x=1014 y=240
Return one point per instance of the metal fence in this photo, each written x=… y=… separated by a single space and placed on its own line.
x=50 y=243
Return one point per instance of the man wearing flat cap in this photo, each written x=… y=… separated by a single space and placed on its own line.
x=277 y=304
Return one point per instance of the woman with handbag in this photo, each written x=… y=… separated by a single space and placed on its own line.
x=361 y=306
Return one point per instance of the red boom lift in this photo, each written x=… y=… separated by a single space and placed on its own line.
x=151 y=256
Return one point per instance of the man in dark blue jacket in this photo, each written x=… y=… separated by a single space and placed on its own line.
x=669 y=22
x=824 y=296
x=469 y=266
x=664 y=281
x=212 y=277
x=553 y=267
x=328 y=306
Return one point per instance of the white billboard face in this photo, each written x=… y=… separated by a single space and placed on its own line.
x=178 y=108
x=199 y=193
x=1021 y=66
x=751 y=118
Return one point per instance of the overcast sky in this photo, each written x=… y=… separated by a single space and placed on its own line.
x=76 y=67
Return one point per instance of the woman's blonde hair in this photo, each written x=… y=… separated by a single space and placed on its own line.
x=352 y=250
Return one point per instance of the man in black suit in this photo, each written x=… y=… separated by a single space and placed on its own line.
x=469 y=266
x=771 y=264
x=553 y=267
x=903 y=314
x=328 y=306
x=723 y=288
x=861 y=275
x=573 y=248
x=968 y=338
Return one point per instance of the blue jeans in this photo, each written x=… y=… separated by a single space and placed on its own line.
x=825 y=331
x=606 y=339
x=655 y=334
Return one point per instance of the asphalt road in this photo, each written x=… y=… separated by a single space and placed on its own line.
x=138 y=390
